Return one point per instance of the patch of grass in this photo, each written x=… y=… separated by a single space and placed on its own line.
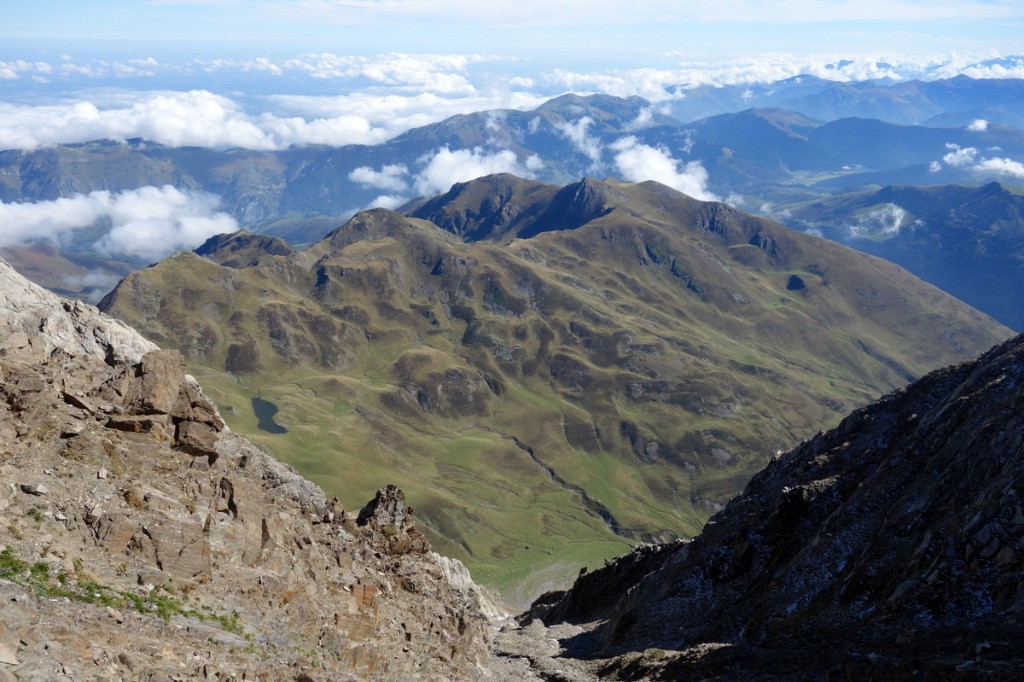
x=87 y=590
x=10 y=565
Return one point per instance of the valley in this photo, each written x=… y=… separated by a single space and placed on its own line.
x=552 y=374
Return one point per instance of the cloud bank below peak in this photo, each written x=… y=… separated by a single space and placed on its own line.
x=638 y=162
x=148 y=223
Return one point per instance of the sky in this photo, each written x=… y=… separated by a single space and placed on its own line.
x=574 y=30
x=268 y=74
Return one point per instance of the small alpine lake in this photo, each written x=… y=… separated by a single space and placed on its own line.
x=265 y=411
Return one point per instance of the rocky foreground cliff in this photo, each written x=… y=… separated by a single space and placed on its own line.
x=141 y=539
x=888 y=548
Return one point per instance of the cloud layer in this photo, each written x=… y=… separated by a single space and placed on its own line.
x=194 y=118
x=638 y=162
x=269 y=103
x=882 y=222
x=438 y=171
x=147 y=223
x=971 y=159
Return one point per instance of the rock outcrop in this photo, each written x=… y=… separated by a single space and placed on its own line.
x=141 y=539
x=888 y=548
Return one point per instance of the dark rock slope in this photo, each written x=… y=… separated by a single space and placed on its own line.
x=140 y=539
x=888 y=548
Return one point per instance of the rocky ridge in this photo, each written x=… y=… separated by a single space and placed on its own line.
x=890 y=547
x=141 y=539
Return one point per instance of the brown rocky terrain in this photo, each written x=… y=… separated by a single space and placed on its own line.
x=888 y=548
x=141 y=539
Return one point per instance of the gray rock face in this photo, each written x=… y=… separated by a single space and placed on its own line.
x=887 y=548
x=122 y=492
x=36 y=323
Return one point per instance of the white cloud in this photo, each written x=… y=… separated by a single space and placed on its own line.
x=95 y=282
x=687 y=142
x=884 y=221
x=383 y=95
x=1001 y=166
x=389 y=177
x=664 y=84
x=968 y=157
x=396 y=113
x=585 y=144
x=436 y=73
x=262 y=64
x=645 y=118
x=978 y=125
x=10 y=71
x=736 y=200
x=149 y=222
x=638 y=162
x=388 y=201
x=198 y=118
x=769 y=210
x=960 y=156
x=445 y=167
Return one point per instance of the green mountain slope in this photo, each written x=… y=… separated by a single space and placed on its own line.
x=544 y=401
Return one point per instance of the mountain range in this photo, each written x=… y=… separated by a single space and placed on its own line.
x=941 y=103
x=141 y=538
x=551 y=373
x=777 y=162
x=556 y=371
x=757 y=155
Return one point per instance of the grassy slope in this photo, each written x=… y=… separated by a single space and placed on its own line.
x=495 y=383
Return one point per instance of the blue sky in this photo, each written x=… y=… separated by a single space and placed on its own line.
x=573 y=31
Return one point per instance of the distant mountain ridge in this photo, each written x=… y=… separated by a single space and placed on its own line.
x=968 y=241
x=759 y=150
x=559 y=372
x=947 y=102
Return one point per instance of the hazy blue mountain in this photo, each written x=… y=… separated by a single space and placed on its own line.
x=951 y=102
x=968 y=241
x=765 y=143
